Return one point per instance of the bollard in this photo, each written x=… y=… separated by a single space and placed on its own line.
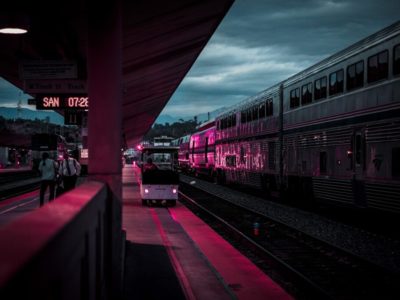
x=256 y=228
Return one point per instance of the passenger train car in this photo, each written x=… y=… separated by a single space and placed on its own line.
x=202 y=150
x=330 y=133
x=183 y=152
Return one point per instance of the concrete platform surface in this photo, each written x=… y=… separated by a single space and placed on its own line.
x=172 y=254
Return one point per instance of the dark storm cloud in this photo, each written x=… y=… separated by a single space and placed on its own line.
x=260 y=43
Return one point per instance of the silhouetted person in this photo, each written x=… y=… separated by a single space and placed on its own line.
x=70 y=169
x=149 y=165
x=48 y=171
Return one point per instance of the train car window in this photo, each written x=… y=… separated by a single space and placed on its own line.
x=396 y=60
x=323 y=159
x=270 y=110
x=306 y=93
x=261 y=110
x=295 y=98
x=396 y=162
x=378 y=67
x=320 y=88
x=355 y=75
x=336 y=82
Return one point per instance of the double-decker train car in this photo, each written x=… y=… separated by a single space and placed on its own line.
x=247 y=136
x=183 y=152
x=202 y=150
x=330 y=133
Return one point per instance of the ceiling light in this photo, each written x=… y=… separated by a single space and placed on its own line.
x=14 y=23
x=10 y=30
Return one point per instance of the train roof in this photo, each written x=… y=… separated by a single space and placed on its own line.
x=205 y=125
x=259 y=97
x=362 y=45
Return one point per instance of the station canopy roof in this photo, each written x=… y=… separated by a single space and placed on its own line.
x=161 y=41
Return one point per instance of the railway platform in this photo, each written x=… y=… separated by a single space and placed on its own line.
x=171 y=253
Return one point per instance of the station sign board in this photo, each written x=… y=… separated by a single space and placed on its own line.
x=48 y=69
x=62 y=101
x=59 y=86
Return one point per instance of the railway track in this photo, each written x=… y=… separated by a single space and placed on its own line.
x=17 y=183
x=305 y=266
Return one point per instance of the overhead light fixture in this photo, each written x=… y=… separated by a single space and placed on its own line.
x=13 y=23
x=13 y=30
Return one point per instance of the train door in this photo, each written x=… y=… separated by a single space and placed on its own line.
x=359 y=154
x=206 y=151
x=359 y=149
x=192 y=152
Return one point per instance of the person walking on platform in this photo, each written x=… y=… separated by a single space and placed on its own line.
x=48 y=171
x=70 y=170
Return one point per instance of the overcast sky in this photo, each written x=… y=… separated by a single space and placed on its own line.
x=260 y=43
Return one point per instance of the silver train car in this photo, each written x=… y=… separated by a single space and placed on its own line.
x=330 y=133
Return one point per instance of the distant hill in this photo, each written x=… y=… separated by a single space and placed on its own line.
x=55 y=118
x=28 y=114
x=162 y=119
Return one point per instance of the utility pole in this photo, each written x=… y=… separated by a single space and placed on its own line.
x=19 y=106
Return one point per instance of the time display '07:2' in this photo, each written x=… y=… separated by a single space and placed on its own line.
x=62 y=102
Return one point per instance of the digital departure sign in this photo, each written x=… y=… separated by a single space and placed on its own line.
x=62 y=102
